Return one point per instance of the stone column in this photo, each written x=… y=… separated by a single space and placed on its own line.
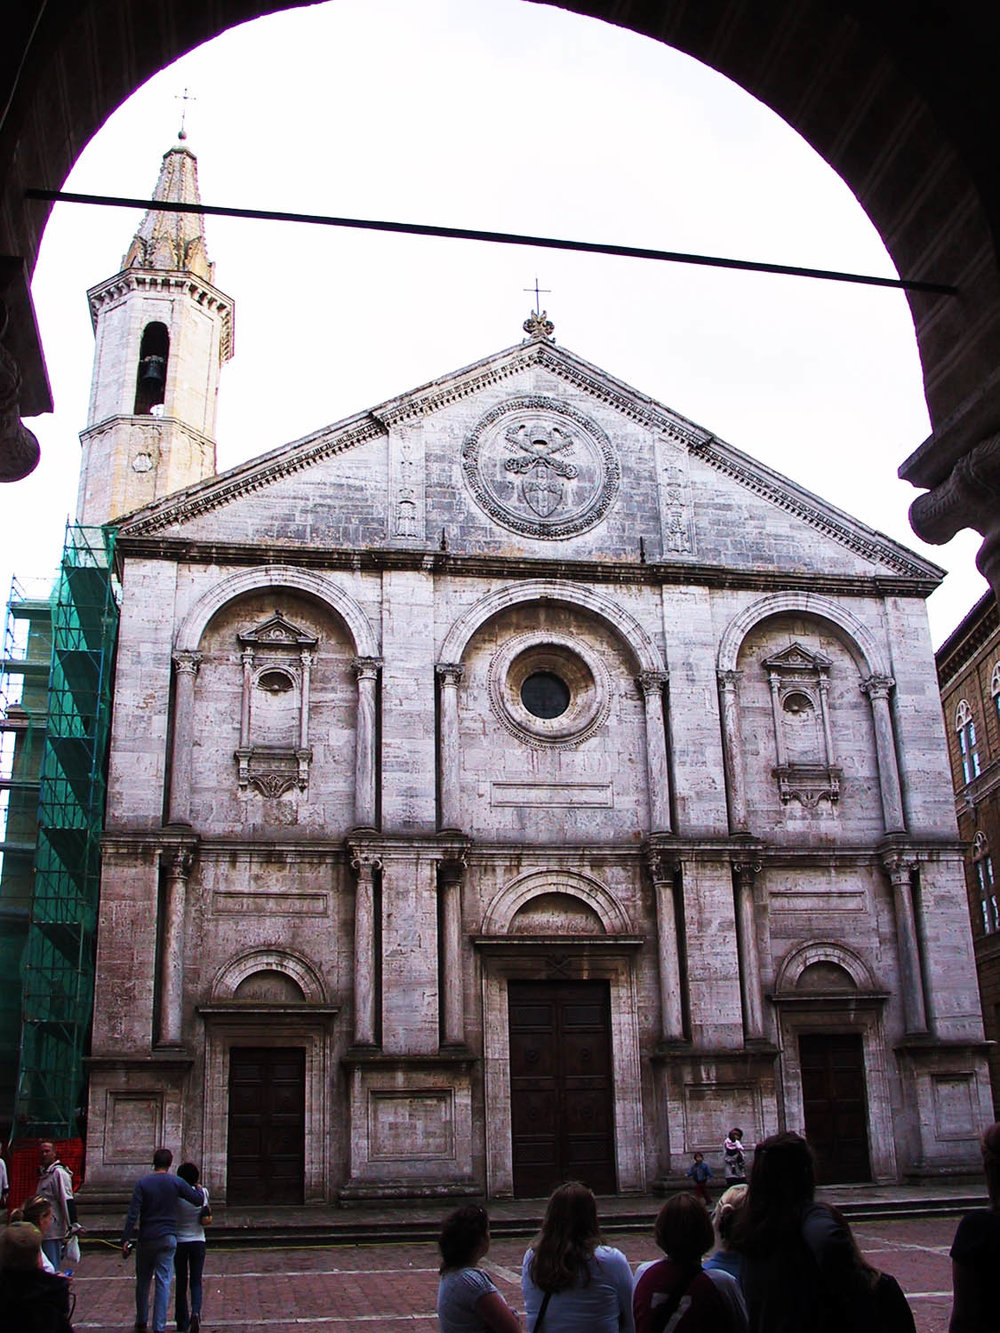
x=306 y=659
x=449 y=674
x=450 y=875
x=178 y=862
x=247 y=659
x=745 y=873
x=651 y=684
x=900 y=869
x=663 y=868
x=732 y=750
x=877 y=688
x=366 y=669
x=364 y=866
x=186 y=669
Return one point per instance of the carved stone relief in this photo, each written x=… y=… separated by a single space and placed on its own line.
x=541 y=467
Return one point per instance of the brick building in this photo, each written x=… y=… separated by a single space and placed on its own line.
x=968 y=665
x=509 y=782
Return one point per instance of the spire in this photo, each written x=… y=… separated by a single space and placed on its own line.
x=173 y=241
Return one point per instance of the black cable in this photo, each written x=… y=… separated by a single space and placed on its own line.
x=496 y=237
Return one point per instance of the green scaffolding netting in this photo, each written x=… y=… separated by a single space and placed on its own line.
x=57 y=966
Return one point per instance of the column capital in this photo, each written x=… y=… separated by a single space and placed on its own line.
x=364 y=858
x=878 y=687
x=186 y=662
x=367 y=668
x=452 y=867
x=652 y=682
x=178 y=861
x=729 y=680
x=899 y=864
x=663 y=863
x=969 y=497
x=746 y=868
x=450 y=673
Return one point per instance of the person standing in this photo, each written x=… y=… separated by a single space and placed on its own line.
x=55 y=1183
x=189 y=1257
x=734 y=1159
x=799 y=1270
x=701 y=1173
x=676 y=1292
x=570 y=1280
x=975 y=1252
x=153 y=1212
x=468 y=1300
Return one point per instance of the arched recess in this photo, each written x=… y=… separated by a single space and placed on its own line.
x=518 y=893
x=780 y=603
x=193 y=625
x=305 y=976
x=645 y=652
x=821 y=951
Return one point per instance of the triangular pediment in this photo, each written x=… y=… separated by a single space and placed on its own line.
x=691 y=477
x=277 y=632
x=796 y=657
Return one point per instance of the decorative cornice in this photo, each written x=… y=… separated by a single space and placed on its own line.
x=218 y=491
x=761 y=481
x=173 y=282
x=135 y=540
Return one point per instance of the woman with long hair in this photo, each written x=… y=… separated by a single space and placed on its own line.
x=468 y=1301
x=975 y=1252
x=799 y=1271
x=572 y=1282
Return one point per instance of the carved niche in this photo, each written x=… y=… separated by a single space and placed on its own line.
x=274 y=754
x=799 y=680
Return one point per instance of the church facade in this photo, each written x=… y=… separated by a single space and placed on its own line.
x=512 y=782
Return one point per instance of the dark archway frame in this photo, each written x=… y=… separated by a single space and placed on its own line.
x=900 y=97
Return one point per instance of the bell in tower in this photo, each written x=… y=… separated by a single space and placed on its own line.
x=163 y=332
x=151 y=382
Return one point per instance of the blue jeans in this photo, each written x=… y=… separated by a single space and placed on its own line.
x=189 y=1261
x=154 y=1262
x=52 y=1249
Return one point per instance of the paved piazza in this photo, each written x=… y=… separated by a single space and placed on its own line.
x=335 y=1290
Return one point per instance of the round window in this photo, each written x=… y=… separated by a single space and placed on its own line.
x=544 y=694
x=547 y=687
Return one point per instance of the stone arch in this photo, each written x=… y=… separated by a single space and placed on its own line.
x=305 y=976
x=193 y=625
x=823 y=951
x=618 y=620
x=780 y=603
x=532 y=883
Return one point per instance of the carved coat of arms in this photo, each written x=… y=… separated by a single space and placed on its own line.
x=541 y=467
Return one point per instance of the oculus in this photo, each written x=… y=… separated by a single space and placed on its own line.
x=547 y=690
x=541 y=467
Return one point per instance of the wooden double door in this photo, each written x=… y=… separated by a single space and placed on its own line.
x=562 y=1104
x=835 y=1105
x=266 y=1156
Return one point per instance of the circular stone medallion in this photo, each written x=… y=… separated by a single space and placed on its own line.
x=541 y=467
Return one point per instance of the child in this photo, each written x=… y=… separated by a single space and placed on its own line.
x=734 y=1159
x=700 y=1172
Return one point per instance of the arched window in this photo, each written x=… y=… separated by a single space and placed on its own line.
x=967 y=746
x=151 y=376
x=982 y=864
x=995 y=688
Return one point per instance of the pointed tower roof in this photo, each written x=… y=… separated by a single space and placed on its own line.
x=173 y=241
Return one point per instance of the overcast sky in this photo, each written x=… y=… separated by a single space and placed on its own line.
x=503 y=115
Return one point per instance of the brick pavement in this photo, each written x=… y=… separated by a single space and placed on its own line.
x=341 y=1289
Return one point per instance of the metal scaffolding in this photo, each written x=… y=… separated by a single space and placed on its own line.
x=57 y=973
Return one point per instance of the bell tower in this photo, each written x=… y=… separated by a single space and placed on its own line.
x=163 y=332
